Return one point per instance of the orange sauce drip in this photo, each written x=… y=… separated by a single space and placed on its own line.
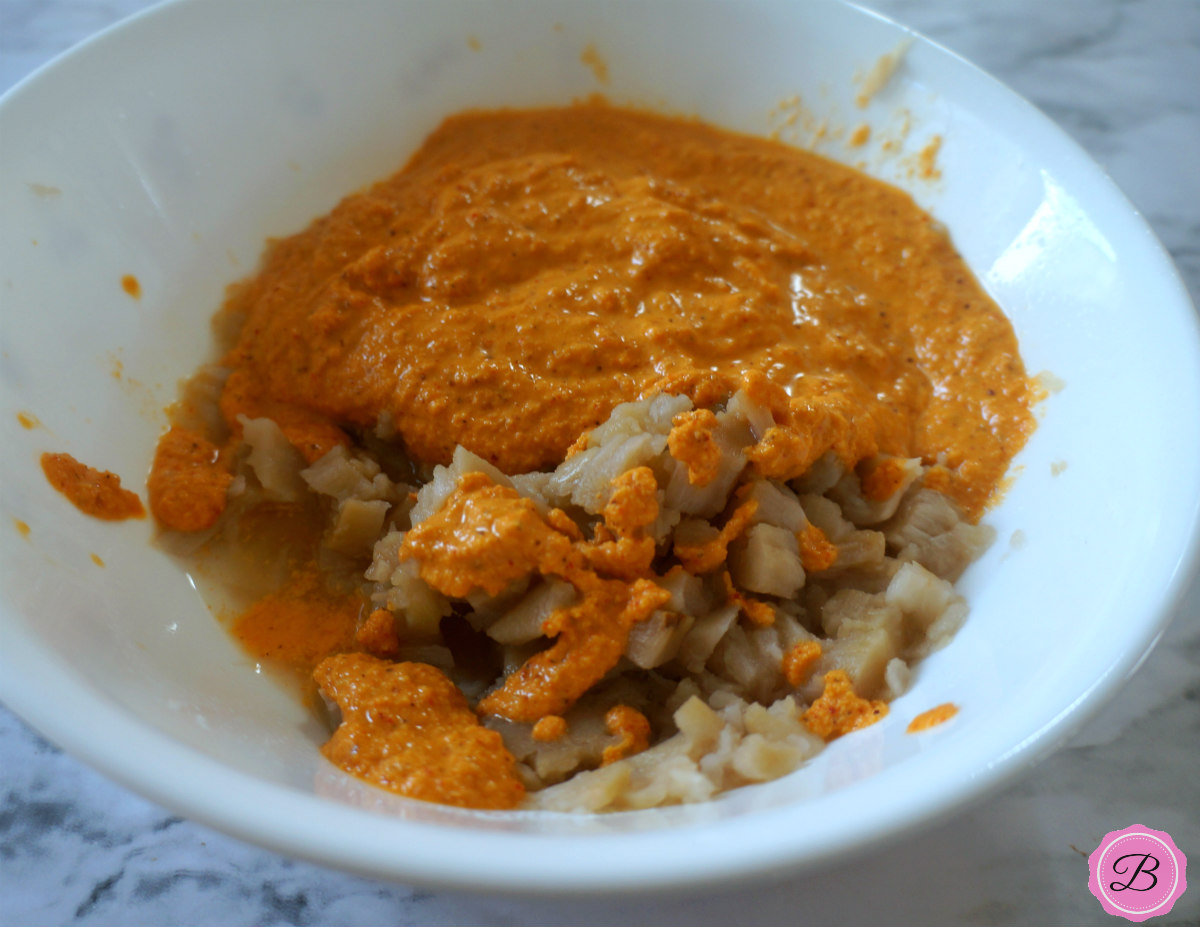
x=378 y=635
x=550 y=728
x=927 y=159
x=756 y=611
x=691 y=441
x=407 y=728
x=883 y=480
x=28 y=420
x=591 y=58
x=706 y=557
x=839 y=710
x=932 y=718
x=817 y=552
x=799 y=662
x=131 y=285
x=187 y=481
x=632 y=727
x=94 y=492
x=634 y=501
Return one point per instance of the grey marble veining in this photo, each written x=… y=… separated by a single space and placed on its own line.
x=1123 y=78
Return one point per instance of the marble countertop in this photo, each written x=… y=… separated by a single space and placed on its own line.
x=1123 y=78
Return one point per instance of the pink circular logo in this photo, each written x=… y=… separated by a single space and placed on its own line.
x=1137 y=873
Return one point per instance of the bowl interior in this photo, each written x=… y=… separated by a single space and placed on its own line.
x=172 y=147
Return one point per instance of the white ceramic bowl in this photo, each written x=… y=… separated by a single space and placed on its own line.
x=172 y=146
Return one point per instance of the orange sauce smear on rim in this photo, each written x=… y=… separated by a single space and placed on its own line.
x=94 y=492
x=932 y=718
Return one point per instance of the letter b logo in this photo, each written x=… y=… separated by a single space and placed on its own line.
x=1137 y=873
x=1146 y=865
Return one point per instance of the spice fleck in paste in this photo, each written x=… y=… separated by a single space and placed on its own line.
x=522 y=276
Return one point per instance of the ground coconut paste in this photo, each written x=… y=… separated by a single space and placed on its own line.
x=526 y=275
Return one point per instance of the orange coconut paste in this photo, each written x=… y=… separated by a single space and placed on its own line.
x=528 y=270
x=631 y=726
x=522 y=275
x=187 y=481
x=486 y=537
x=94 y=492
x=408 y=728
x=840 y=710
